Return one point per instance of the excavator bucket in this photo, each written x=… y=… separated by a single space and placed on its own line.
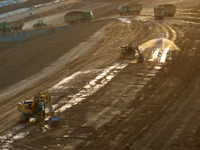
x=140 y=59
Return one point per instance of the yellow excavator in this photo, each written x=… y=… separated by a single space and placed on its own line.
x=129 y=51
x=36 y=109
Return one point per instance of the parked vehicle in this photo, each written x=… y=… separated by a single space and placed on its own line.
x=159 y=12
x=130 y=9
x=39 y=24
x=78 y=16
x=169 y=10
x=11 y=26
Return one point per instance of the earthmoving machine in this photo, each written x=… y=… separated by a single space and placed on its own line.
x=129 y=52
x=25 y=108
x=78 y=16
x=39 y=24
x=11 y=26
x=36 y=109
x=169 y=10
x=126 y=9
x=159 y=12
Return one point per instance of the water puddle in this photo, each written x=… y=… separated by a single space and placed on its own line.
x=150 y=75
x=63 y=83
x=164 y=55
x=141 y=18
x=154 y=54
x=125 y=20
x=157 y=67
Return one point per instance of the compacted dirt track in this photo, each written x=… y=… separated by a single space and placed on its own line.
x=107 y=103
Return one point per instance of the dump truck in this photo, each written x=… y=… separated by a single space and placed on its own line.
x=78 y=16
x=11 y=26
x=169 y=10
x=159 y=12
x=133 y=9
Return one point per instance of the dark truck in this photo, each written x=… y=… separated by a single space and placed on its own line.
x=169 y=10
x=159 y=12
x=11 y=26
x=78 y=16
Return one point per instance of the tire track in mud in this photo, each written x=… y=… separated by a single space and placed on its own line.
x=90 y=88
x=98 y=116
x=107 y=111
x=180 y=109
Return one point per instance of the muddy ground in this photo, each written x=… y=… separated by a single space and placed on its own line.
x=104 y=102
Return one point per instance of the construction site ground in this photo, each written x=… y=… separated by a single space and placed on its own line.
x=102 y=101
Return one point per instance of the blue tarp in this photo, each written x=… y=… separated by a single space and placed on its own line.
x=22 y=10
x=10 y=2
x=25 y=35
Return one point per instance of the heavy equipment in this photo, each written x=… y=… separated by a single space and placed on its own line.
x=130 y=52
x=78 y=16
x=169 y=10
x=25 y=108
x=11 y=26
x=36 y=109
x=39 y=24
x=159 y=12
x=133 y=9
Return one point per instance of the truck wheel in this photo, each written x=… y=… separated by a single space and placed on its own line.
x=23 y=118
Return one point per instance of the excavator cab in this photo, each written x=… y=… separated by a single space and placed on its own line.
x=129 y=51
x=27 y=112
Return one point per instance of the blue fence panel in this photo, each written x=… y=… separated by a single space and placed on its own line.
x=25 y=35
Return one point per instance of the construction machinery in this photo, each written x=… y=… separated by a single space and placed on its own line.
x=78 y=16
x=27 y=112
x=133 y=9
x=130 y=52
x=39 y=24
x=159 y=12
x=36 y=109
x=169 y=10
x=11 y=26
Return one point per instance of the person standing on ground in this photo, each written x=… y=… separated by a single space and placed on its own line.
x=49 y=104
x=34 y=105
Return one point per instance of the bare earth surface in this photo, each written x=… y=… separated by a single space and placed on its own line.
x=105 y=103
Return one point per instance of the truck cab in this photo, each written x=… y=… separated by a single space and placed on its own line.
x=88 y=15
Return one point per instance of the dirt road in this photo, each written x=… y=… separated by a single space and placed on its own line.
x=107 y=103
